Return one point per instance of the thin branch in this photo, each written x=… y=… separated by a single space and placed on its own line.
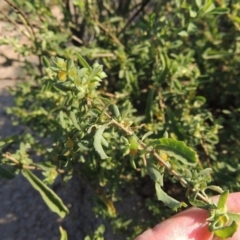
x=144 y=4
x=103 y=28
x=18 y=11
x=24 y=166
x=32 y=32
x=14 y=24
x=129 y=132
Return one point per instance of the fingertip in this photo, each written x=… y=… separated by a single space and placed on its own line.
x=147 y=235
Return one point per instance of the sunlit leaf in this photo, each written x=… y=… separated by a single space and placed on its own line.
x=62 y=120
x=227 y=231
x=98 y=142
x=74 y=120
x=83 y=62
x=192 y=28
x=167 y=200
x=222 y=201
x=234 y=216
x=63 y=234
x=176 y=149
x=49 y=197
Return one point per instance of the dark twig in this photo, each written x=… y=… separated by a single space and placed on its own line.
x=144 y=4
x=18 y=11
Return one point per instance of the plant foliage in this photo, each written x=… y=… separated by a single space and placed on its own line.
x=129 y=93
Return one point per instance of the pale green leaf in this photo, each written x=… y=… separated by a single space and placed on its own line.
x=147 y=134
x=154 y=172
x=199 y=3
x=63 y=233
x=74 y=120
x=132 y=162
x=234 y=216
x=116 y=111
x=222 y=201
x=84 y=62
x=167 y=200
x=227 y=231
x=98 y=142
x=48 y=195
x=192 y=28
x=62 y=120
x=215 y=188
x=176 y=149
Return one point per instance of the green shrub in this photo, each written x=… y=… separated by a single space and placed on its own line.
x=167 y=72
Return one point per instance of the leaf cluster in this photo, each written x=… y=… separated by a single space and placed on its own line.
x=165 y=108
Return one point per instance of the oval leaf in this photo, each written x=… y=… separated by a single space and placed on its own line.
x=48 y=195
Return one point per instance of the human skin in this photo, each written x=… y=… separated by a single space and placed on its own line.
x=190 y=224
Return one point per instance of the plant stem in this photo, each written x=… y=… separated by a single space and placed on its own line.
x=23 y=166
x=129 y=132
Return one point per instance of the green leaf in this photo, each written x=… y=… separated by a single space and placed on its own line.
x=152 y=19
x=177 y=149
x=8 y=140
x=84 y=62
x=74 y=120
x=183 y=33
x=167 y=200
x=227 y=231
x=198 y=203
x=46 y=62
x=116 y=112
x=148 y=109
x=209 y=6
x=48 y=195
x=98 y=141
x=146 y=135
x=5 y=173
x=63 y=233
x=234 y=216
x=219 y=11
x=198 y=3
x=174 y=123
x=133 y=140
x=154 y=172
x=192 y=28
x=82 y=147
x=213 y=54
x=70 y=64
x=62 y=121
x=132 y=162
x=215 y=188
x=222 y=201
